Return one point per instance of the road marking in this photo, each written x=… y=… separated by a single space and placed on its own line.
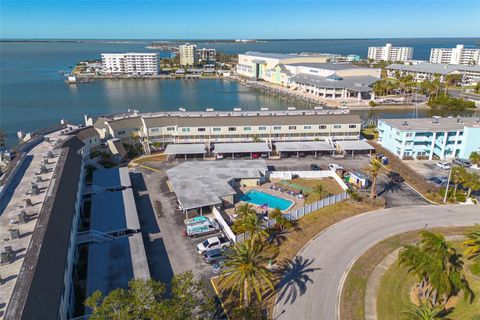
x=218 y=295
x=149 y=168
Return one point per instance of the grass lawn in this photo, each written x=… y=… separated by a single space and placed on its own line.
x=395 y=286
x=352 y=305
x=370 y=133
x=307 y=228
x=307 y=185
x=155 y=157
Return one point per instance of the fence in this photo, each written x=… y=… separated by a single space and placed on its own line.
x=288 y=175
x=226 y=228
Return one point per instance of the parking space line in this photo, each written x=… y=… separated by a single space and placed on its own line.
x=218 y=295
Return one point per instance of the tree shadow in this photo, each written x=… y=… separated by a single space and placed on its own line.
x=295 y=278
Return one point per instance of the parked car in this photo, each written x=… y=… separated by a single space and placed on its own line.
x=315 y=167
x=443 y=165
x=302 y=154
x=335 y=167
x=217 y=266
x=255 y=155
x=264 y=155
x=219 y=156
x=212 y=256
x=395 y=176
x=462 y=162
x=213 y=243
x=201 y=227
x=440 y=180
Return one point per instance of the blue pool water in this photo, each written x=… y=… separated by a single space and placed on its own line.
x=260 y=198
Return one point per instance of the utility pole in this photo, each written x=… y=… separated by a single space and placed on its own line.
x=448 y=184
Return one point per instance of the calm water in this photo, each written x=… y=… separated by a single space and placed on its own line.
x=33 y=94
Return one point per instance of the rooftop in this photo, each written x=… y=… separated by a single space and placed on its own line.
x=326 y=66
x=427 y=67
x=354 y=145
x=269 y=55
x=187 y=148
x=202 y=183
x=433 y=124
x=246 y=147
x=303 y=146
x=111 y=178
x=354 y=83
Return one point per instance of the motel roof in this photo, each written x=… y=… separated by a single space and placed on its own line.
x=354 y=145
x=241 y=147
x=203 y=183
x=303 y=146
x=433 y=124
x=354 y=83
x=427 y=67
x=109 y=178
x=187 y=148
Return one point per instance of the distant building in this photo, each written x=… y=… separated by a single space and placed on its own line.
x=428 y=71
x=389 y=53
x=188 y=54
x=310 y=74
x=430 y=138
x=207 y=55
x=458 y=55
x=131 y=63
x=353 y=57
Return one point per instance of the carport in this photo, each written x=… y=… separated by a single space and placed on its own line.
x=304 y=146
x=185 y=149
x=247 y=147
x=358 y=146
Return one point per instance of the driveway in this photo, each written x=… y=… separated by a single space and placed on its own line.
x=312 y=289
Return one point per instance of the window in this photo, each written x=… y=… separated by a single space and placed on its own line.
x=185 y=129
x=262 y=128
x=292 y=127
x=201 y=129
x=247 y=128
x=121 y=132
x=408 y=143
x=154 y=130
x=277 y=128
x=307 y=127
x=409 y=134
x=170 y=128
x=216 y=129
x=322 y=127
x=232 y=129
x=352 y=126
x=337 y=126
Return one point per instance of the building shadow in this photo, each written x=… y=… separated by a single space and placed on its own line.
x=146 y=213
x=158 y=261
x=295 y=277
x=8 y=193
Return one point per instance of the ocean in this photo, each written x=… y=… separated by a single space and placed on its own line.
x=33 y=94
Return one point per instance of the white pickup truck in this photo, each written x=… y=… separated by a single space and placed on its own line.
x=213 y=243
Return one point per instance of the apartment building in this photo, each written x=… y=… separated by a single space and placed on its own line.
x=208 y=55
x=390 y=53
x=457 y=55
x=132 y=63
x=188 y=54
x=428 y=71
x=310 y=74
x=236 y=126
x=430 y=138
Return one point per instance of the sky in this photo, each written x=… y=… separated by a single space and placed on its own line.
x=247 y=19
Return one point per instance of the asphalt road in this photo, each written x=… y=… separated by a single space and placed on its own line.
x=311 y=290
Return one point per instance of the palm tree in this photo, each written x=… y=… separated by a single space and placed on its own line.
x=458 y=176
x=424 y=311
x=472 y=244
x=436 y=263
x=472 y=182
x=318 y=189
x=374 y=168
x=250 y=224
x=244 y=209
x=281 y=222
x=475 y=158
x=246 y=271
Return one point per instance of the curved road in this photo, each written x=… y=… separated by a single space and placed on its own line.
x=312 y=290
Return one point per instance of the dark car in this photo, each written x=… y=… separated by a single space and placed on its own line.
x=395 y=176
x=462 y=162
x=315 y=167
x=302 y=154
x=212 y=256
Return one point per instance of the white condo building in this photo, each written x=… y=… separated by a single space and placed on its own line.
x=206 y=54
x=188 y=54
x=457 y=55
x=389 y=53
x=130 y=63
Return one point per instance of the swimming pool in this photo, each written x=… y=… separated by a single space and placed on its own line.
x=260 y=198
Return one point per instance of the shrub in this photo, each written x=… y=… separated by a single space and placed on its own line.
x=444 y=101
x=475 y=268
x=372 y=103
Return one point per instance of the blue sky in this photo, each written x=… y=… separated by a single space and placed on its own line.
x=246 y=19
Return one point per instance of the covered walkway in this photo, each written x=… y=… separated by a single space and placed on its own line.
x=304 y=146
x=358 y=146
x=248 y=147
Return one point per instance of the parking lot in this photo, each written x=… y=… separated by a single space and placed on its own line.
x=169 y=252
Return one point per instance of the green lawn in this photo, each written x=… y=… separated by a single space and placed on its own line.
x=307 y=185
x=395 y=287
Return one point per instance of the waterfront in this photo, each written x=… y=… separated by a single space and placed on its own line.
x=33 y=94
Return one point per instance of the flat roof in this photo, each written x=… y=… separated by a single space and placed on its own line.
x=203 y=183
x=187 y=148
x=353 y=145
x=354 y=83
x=326 y=65
x=269 y=55
x=108 y=178
x=245 y=147
x=303 y=146
x=428 y=67
x=114 y=211
x=433 y=124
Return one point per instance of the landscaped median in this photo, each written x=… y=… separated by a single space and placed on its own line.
x=353 y=298
x=295 y=239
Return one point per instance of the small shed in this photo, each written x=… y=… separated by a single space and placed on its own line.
x=358 y=179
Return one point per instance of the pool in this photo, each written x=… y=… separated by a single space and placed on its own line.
x=260 y=198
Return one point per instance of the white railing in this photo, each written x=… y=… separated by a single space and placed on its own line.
x=288 y=175
x=226 y=228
